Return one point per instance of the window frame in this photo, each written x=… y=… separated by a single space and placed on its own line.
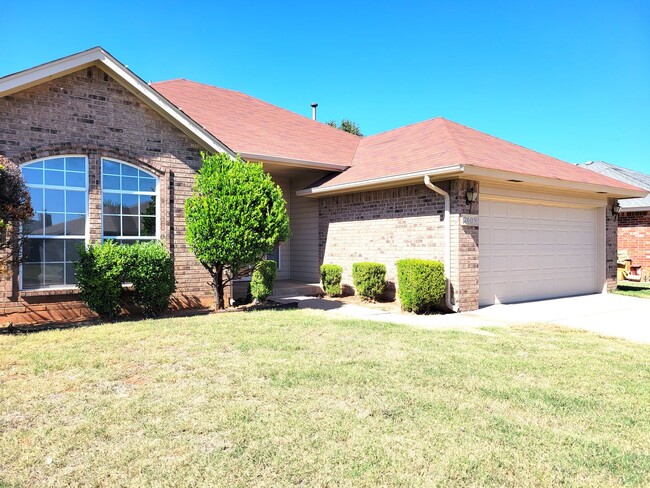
x=86 y=236
x=120 y=192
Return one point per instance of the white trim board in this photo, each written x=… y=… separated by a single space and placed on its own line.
x=99 y=57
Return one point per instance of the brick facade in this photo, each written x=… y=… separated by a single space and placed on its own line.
x=634 y=236
x=397 y=223
x=88 y=113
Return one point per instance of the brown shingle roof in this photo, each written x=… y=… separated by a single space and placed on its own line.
x=249 y=125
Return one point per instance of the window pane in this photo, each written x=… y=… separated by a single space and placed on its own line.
x=147 y=205
x=54 y=178
x=33 y=176
x=111 y=225
x=32 y=274
x=54 y=224
x=75 y=201
x=34 y=250
x=35 y=226
x=77 y=180
x=129 y=183
x=147 y=226
x=147 y=184
x=75 y=164
x=54 y=250
x=70 y=278
x=37 y=199
x=56 y=163
x=130 y=204
x=129 y=170
x=54 y=201
x=111 y=203
x=75 y=225
x=110 y=167
x=71 y=253
x=129 y=225
x=111 y=182
x=53 y=274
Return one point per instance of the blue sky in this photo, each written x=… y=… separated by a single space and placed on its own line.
x=567 y=78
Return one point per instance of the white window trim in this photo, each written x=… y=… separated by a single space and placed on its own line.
x=129 y=192
x=57 y=187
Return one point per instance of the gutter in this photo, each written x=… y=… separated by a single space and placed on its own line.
x=303 y=163
x=447 y=256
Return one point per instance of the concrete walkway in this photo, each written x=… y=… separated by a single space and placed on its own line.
x=606 y=314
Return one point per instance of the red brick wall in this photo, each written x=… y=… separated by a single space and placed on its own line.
x=634 y=236
x=89 y=113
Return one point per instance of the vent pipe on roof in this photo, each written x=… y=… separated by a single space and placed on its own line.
x=313 y=110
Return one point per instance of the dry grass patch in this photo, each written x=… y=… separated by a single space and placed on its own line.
x=282 y=398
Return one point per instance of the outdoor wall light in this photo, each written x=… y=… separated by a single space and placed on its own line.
x=616 y=209
x=471 y=195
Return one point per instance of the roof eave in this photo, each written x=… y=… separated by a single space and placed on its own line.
x=383 y=182
x=565 y=185
x=298 y=163
x=99 y=57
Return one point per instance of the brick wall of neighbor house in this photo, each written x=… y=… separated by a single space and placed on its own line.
x=89 y=113
x=392 y=224
x=611 y=252
x=634 y=236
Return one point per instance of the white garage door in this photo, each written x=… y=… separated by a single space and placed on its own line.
x=529 y=251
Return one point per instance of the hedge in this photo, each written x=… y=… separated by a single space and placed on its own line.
x=420 y=284
x=103 y=268
x=369 y=279
x=262 y=280
x=330 y=275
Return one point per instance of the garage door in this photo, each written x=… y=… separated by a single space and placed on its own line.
x=533 y=251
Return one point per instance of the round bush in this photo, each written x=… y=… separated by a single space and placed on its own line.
x=330 y=275
x=369 y=279
x=262 y=280
x=420 y=284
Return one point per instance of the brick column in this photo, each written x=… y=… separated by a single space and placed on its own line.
x=464 y=247
x=611 y=248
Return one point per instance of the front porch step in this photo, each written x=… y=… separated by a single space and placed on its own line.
x=287 y=288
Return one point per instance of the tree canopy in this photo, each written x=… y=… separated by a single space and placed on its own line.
x=347 y=125
x=235 y=214
x=15 y=212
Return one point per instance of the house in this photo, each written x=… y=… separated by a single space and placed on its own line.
x=634 y=217
x=108 y=156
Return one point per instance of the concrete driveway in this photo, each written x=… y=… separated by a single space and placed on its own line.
x=606 y=314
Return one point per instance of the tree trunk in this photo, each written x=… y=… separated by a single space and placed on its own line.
x=217 y=278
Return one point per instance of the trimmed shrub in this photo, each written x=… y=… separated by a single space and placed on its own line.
x=262 y=280
x=150 y=268
x=330 y=275
x=99 y=271
x=420 y=284
x=369 y=279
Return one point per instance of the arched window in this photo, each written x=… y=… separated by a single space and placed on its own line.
x=59 y=190
x=129 y=203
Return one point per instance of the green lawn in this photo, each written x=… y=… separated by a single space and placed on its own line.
x=293 y=398
x=641 y=290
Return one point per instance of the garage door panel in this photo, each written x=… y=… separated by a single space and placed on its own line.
x=535 y=251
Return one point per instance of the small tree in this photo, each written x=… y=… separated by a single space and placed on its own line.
x=15 y=212
x=236 y=213
x=347 y=125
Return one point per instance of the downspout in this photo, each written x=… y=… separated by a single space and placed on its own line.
x=447 y=255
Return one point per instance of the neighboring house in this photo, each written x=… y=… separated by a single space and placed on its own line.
x=108 y=156
x=634 y=218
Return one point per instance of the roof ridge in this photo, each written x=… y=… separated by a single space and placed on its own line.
x=453 y=139
x=404 y=126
